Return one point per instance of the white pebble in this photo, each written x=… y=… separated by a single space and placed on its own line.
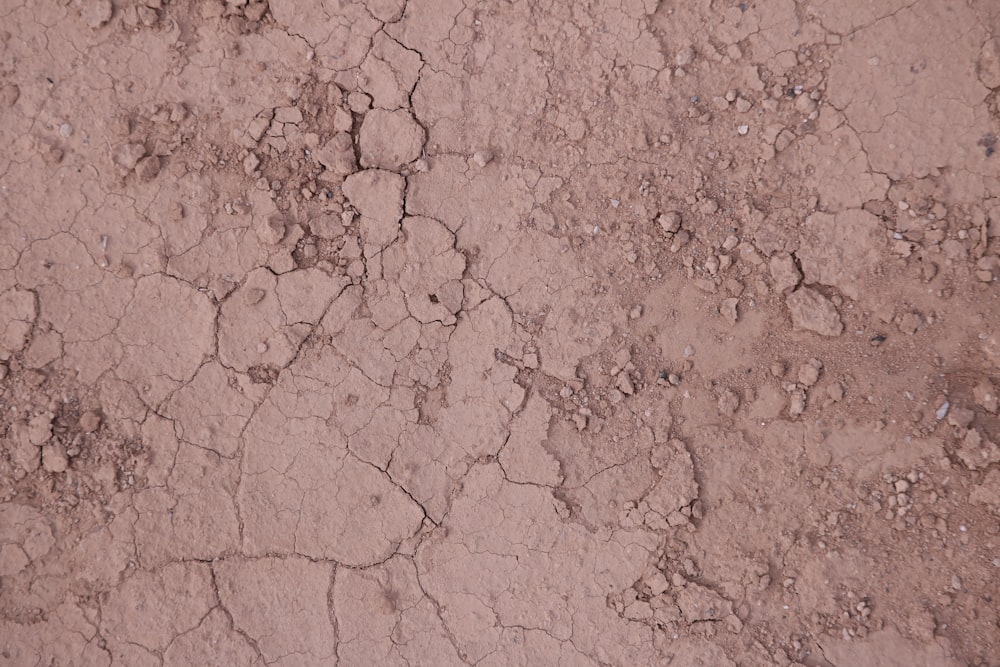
x=482 y=158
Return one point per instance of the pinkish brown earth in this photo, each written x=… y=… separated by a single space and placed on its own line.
x=465 y=332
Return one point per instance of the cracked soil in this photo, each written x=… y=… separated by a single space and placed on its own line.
x=500 y=332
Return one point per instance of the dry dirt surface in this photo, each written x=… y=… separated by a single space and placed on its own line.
x=496 y=332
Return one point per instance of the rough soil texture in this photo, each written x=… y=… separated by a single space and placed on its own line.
x=452 y=332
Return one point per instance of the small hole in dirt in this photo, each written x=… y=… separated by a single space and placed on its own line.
x=434 y=298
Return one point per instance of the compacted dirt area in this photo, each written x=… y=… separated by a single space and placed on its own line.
x=495 y=332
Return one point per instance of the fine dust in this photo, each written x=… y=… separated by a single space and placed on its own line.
x=444 y=332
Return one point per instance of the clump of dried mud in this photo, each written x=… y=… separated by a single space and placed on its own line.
x=435 y=332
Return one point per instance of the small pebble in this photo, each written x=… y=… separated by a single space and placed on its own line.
x=54 y=458
x=482 y=158
x=624 y=384
x=809 y=372
x=681 y=239
x=729 y=308
x=669 y=222
x=797 y=403
x=89 y=421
